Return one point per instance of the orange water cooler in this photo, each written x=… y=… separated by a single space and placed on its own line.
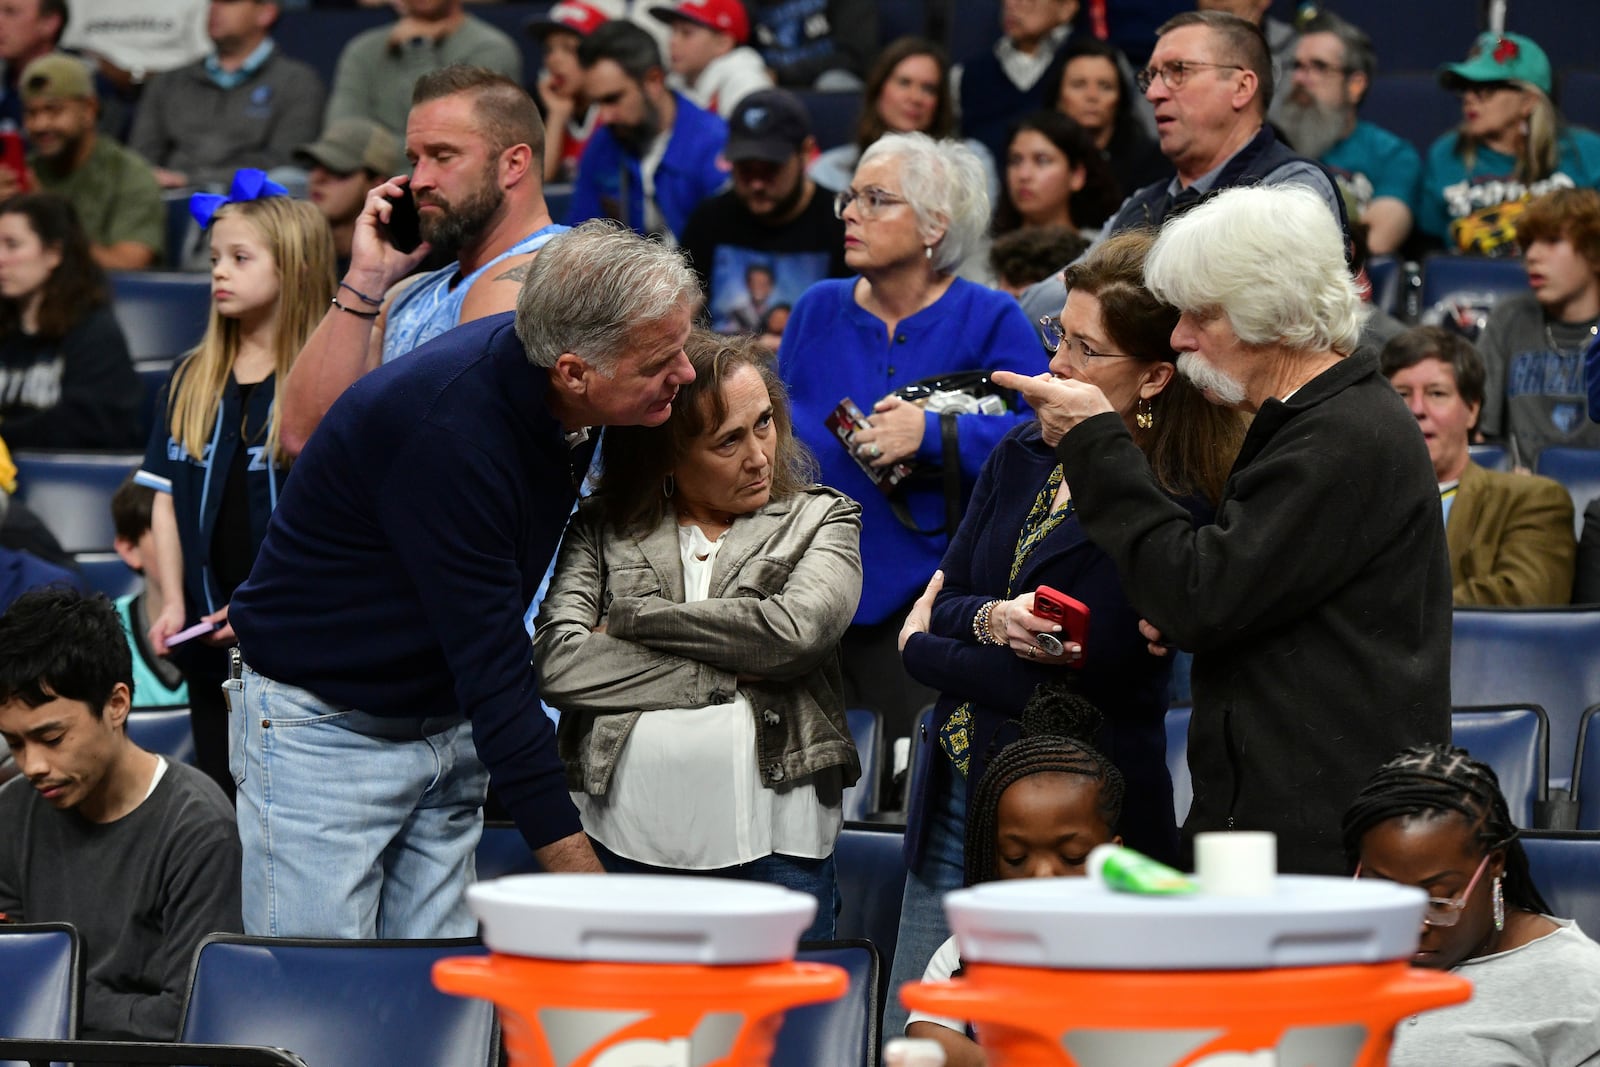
x=1069 y=973
x=639 y=970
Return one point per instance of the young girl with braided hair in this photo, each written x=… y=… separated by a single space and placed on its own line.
x=1435 y=818
x=1042 y=804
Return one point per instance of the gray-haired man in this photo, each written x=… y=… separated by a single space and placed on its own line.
x=382 y=624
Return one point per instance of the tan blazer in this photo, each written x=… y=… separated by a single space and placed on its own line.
x=783 y=590
x=1510 y=538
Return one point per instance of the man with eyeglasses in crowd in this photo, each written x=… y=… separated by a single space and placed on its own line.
x=1210 y=82
x=1377 y=170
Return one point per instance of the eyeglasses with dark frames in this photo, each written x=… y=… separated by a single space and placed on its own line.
x=1175 y=72
x=1446 y=911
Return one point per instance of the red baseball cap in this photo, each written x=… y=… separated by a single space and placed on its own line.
x=725 y=15
x=573 y=16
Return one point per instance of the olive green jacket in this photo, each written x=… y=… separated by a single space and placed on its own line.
x=783 y=590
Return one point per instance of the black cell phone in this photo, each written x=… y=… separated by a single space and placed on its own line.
x=404 y=229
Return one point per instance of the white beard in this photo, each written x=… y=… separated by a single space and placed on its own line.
x=1218 y=387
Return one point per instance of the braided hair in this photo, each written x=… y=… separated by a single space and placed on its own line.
x=1058 y=730
x=1435 y=779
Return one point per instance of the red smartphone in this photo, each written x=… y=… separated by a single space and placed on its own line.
x=1071 y=614
x=14 y=157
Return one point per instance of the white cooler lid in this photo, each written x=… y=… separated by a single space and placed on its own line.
x=641 y=918
x=1080 y=924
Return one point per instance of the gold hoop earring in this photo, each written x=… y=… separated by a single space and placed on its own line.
x=669 y=485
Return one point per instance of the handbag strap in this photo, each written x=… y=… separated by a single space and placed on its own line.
x=951 y=446
x=949 y=478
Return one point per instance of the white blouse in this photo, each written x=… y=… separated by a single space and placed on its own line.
x=686 y=792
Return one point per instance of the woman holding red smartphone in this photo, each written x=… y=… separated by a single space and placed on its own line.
x=978 y=635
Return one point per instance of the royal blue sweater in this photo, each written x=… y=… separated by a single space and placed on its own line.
x=834 y=348
x=411 y=536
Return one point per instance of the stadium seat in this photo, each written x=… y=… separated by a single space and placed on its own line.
x=1489 y=457
x=1586 y=772
x=71 y=493
x=1387 y=276
x=1567 y=32
x=502 y=851
x=164 y=731
x=317 y=35
x=833 y=116
x=1458 y=292
x=866 y=729
x=43 y=981
x=901 y=18
x=106 y=573
x=872 y=880
x=1178 y=760
x=1530 y=656
x=153 y=373
x=1412 y=104
x=162 y=314
x=1515 y=741
x=1579 y=470
x=836 y=1033
x=974 y=28
x=182 y=233
x=558 y=198
x=1580 y=97
x=1566 y=868
x=351 y=1003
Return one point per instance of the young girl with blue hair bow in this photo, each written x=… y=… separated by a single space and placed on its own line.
x=214 y=457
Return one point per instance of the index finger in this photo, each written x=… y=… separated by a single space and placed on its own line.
x=1030 y=386
x=380 y=195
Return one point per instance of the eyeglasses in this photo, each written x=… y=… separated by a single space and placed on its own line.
x=868 y=201
x=1320 y=67
x=1175 y=72
x=1054 y=336
x=1443 y=911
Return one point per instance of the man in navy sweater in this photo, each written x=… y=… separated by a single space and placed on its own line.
x=382 y=626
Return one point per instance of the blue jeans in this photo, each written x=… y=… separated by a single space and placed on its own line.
x=922 y=923
x=352 y=825
x=818 y=878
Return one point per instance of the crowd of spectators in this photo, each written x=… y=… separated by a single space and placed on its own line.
x=1047 y=316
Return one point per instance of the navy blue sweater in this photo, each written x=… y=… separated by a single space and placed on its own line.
x=414 y=532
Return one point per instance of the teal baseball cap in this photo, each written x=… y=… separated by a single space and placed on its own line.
x=1500 y=57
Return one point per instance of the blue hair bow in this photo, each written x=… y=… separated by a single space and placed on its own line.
x=249 y=183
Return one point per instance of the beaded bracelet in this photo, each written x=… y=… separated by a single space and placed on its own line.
x=980 y=624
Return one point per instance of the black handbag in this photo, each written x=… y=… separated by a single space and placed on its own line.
x=950 y=395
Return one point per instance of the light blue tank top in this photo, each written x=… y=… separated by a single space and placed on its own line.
x=431 y=305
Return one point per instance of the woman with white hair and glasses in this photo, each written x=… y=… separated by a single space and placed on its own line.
x=1317 y=605
x=915 y=209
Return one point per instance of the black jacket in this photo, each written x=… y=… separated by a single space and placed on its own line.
x=1317 y=605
